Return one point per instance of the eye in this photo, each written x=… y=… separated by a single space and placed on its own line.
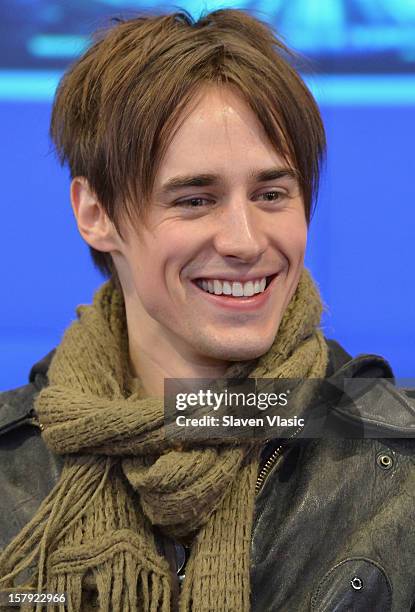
x=190 y=202
x=273 y=196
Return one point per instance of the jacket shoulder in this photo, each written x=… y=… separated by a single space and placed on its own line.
x=28 y=469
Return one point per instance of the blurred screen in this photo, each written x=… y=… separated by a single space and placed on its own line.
x=375 y=36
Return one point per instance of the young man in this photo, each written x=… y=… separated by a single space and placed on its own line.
x=194 y=151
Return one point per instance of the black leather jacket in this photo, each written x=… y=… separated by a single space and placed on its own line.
x=334 y=525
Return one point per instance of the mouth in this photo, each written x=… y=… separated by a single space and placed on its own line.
x=244 y=303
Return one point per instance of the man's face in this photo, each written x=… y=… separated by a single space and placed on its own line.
x=232 y=225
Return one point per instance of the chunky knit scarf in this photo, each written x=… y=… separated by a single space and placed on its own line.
x=93 y=537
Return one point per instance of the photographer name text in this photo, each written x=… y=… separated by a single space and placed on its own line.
x=231 y=421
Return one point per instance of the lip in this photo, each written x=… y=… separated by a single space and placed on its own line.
x=245 y=304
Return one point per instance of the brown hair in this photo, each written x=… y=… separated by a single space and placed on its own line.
x=117 y=108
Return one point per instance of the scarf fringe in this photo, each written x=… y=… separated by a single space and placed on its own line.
x=119 y=583
x=55 y=516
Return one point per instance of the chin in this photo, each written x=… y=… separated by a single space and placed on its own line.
x=243 y=352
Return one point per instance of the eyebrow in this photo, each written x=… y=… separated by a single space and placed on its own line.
x=205 y=179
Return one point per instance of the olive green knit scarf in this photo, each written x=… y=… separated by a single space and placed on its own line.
x=93 y=536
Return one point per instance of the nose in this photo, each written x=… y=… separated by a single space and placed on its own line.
x=240 y=231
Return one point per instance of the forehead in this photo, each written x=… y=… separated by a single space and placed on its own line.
x=217 y=129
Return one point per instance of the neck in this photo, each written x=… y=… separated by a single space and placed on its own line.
x=154 y=358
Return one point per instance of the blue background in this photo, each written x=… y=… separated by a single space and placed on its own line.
x=361 y=244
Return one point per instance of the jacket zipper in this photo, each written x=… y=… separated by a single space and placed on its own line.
x=271 y=461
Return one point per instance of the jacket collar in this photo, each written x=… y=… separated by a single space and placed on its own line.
x=17 y=405
x=367 y=396
x=358 y=398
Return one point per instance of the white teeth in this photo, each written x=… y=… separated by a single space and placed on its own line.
x=226 y=288
x=237 y=289
x=249 y=289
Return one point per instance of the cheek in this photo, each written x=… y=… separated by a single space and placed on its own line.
x=300 y=240
x=292 y=240
x=151 y=269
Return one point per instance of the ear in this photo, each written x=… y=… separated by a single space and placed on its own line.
x=93 y=223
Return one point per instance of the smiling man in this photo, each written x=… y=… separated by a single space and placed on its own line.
x=194 y=150
x=221 y=254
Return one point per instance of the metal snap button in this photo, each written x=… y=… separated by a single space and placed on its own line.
x=384 y=461
x=356 y=583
